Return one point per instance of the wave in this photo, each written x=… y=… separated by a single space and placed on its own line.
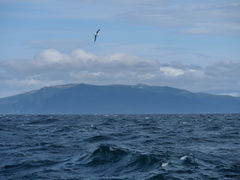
x=42 y=119
x=27 y=165
x=98 y=138
x=121 y=158
x=122 y=147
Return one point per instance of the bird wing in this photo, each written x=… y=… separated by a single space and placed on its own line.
x=95 y=37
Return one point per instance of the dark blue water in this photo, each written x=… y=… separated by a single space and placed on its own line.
x=120 y=147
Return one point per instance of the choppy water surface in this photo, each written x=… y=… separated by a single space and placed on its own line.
x=120 y=147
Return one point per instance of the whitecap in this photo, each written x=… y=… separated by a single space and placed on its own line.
x=183 y=158
x=94 y=127
x=164 y=164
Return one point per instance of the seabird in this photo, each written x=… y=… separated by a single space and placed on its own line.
x=95 y=37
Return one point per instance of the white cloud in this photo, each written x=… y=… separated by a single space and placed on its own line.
x=233 y=94
x=173 y=72
x=198 y=74
x=51 y=56
x=52 y=67
x=83 y=56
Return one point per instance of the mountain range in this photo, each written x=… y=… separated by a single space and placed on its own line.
x=116 y=99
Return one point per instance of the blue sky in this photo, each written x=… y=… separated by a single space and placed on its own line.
x=186 y=44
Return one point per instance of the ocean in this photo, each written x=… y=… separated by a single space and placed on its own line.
x=120 y=147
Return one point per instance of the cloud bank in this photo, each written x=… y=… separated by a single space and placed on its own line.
x=52 y=67
x=219 y=17
x=216 y=17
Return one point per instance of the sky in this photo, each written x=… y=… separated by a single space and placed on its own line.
x=187 y=44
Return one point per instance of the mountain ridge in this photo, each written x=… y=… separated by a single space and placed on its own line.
x=129 y=99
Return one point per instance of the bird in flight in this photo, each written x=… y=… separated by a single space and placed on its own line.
x=96 y=34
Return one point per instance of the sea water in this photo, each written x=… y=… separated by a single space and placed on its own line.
x=92 y=147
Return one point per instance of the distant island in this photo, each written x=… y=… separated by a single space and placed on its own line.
x=116 y=99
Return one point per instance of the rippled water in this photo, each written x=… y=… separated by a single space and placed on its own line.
x=120 y=147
